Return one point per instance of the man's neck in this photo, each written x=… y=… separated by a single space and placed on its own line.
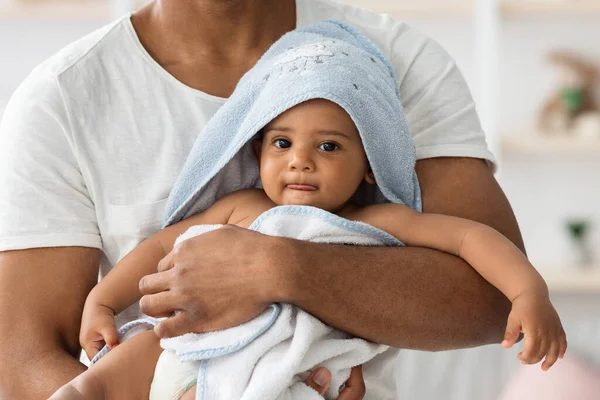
x=226 y=32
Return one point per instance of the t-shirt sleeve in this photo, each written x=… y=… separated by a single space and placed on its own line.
x=438 y=105
x=44 y=201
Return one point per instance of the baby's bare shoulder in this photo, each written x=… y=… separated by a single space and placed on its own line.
x=247 y=196
x=249 y=204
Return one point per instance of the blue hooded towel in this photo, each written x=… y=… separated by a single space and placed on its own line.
x=328 y=60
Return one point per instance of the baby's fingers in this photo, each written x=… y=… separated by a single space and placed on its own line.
x=552 y=356
x=110 y=336
x=545 y=346
x=92 y=348
x=531 y=349
x=563 y=344
x=512 y=332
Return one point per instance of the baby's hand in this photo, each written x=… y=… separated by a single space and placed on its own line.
x=534 y=315
x=97 y=329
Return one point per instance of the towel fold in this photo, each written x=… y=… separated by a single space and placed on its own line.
x=270 y=356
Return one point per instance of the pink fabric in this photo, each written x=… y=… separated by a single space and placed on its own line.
x=568 y=379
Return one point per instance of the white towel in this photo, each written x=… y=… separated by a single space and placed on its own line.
x=270 y=356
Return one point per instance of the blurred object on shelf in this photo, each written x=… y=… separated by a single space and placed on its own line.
x=573 y=99
x=556 y=145
x=578 y=229
x=536 y=7
x=587 y=126
x=402 y=8
x=565 y=279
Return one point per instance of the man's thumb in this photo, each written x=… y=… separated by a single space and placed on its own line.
x=319 y=380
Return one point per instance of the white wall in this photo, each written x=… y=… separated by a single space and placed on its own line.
x=543 y=190
x=24 y=44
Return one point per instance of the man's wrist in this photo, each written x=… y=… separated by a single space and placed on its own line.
x=284 y=262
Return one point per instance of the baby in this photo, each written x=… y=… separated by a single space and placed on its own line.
x=311 y=154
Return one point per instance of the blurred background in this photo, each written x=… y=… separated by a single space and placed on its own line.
x=533 y=67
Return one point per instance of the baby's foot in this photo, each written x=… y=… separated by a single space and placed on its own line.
x=80 y=388
x=67 y=392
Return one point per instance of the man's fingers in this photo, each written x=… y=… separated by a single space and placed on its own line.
x=319 y=380
x=154 y=283
x=166 y=263
x=162 y=304
x=355 y=386
x=175 y=326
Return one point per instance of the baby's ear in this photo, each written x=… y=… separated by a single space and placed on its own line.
x=370 y=177
x=257 y=148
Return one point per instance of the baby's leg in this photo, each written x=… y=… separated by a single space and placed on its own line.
x=190 y=394
x=124 y=373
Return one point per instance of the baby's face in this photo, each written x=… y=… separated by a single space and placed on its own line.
x=312 y=155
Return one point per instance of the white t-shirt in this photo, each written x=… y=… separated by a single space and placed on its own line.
x=92 y=141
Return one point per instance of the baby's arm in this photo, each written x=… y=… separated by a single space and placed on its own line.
x=120 y=288
x=125 y=373
x=496 y=258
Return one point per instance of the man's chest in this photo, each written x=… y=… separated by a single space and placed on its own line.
x=130 y=155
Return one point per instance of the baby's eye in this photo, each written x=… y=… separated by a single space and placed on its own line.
x=282 y=143
x=329 y=146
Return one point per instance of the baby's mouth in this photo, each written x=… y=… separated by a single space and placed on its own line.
x=303 y=188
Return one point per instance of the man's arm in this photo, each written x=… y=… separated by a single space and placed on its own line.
x=42 y=293
x=412 y=297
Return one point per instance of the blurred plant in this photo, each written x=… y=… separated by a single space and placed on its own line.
x=578 y=229
x=572 y=99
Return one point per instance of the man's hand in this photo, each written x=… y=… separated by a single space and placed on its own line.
x=215 y=281
x=354 y=389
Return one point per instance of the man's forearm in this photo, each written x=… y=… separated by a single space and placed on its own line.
x=37 y=377
x=39 y=329
x=411 y=297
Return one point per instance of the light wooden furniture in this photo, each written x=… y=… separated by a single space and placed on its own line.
x=102 y=9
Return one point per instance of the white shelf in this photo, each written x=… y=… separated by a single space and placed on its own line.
x=552 y=146
x=399 y=8
x=100 y=10
x=410 y=7
x=91 y=10
x=550 y=6
x=573 y=279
